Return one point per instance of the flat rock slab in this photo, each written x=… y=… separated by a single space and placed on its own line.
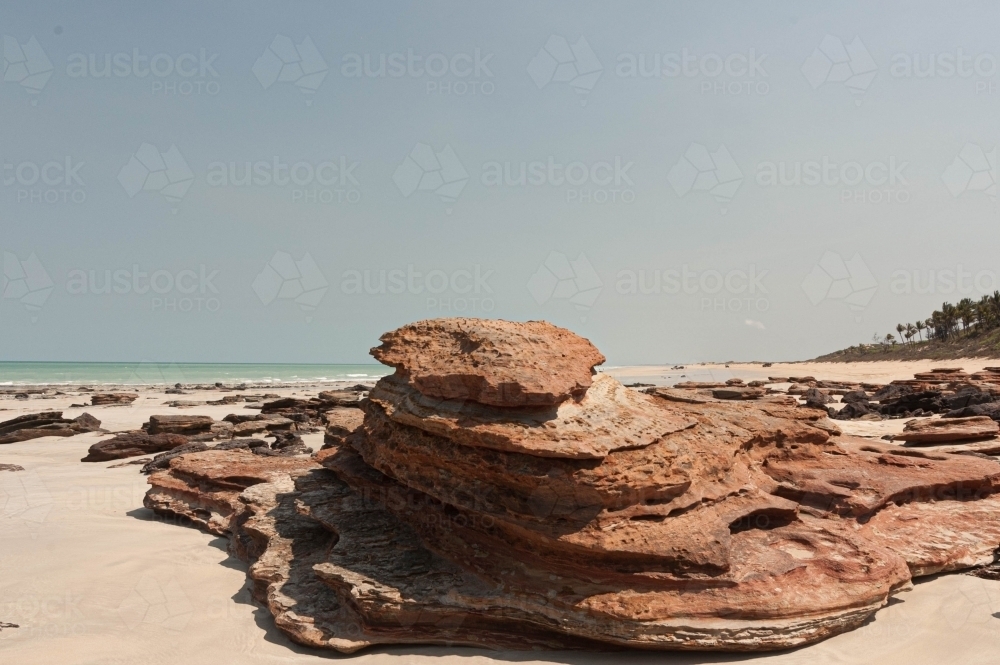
x=113 y=399
x=734 y=392
x=499 y=363
x=944 y=430
x=204 y=486
x=180 y=424
x=609 y=417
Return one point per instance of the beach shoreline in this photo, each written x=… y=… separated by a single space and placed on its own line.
x=98 y=578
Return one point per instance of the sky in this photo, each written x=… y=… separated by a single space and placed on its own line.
x=678 y=182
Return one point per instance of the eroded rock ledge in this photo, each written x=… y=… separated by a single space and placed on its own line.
x=499 y=493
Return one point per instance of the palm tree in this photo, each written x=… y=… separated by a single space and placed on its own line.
x=890 y=339
x=949 y=317
x=919 y=325
x=984 y=313
x=965 y=311
x=899 y=330
x=910 y=331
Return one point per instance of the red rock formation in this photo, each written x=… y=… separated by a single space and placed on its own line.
x=528 y=503
x=205 y=487
x=490 y=362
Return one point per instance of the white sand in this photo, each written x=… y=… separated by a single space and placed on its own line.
x=874 y=372
x=94 y=578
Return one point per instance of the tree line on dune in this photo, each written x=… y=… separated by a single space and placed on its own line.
x=950 y=323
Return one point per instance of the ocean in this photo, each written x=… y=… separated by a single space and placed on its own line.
x=147 y=373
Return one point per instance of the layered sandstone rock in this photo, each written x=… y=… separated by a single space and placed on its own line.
x=496 y=363
x=948 y=430
x=341 y=423
x=498 y=493
x=113 y=399
x=205 y=486
x=46 y=423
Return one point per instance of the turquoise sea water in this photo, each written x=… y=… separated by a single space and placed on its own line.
x=146 y=373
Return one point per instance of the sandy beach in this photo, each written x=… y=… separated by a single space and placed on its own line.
x=91 y=576
x=875 y=372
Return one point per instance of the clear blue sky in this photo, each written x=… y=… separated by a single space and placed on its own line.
x=612 y=111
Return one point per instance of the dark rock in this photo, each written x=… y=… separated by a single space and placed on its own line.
x=11 y=467
x=968 y=396
x=133 y=444
x=46 y=423
x=930 y=401
x=855 y=396
x=179 y=424
x=851 y=410
x=162 y=461
x=891 y=391
x=814 y=395
x=991 y=409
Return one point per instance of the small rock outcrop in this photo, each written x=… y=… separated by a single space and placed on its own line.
x=46 y=423
x=948 y=430
x=341 y=423
x=490 y=362
x=133 y=444
x=113 y=399
x=195 y=428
